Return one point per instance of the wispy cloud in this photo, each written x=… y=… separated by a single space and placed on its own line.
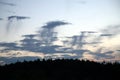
x=14 y=23
x=113 y=29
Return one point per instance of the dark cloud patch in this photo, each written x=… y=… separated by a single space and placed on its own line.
x=9 y=46
x=109 y=52
x=47 y=34
x=18 y=17
x=106 y=35
x=29 y=36
x=114 y=30
x=81 y=40
x=78 y=40
x=88 y=31
x=118 y=50
x=98 y=55
x=30 y=43
x=104 y=56
x=80 y=52
x=53 y=24
x=108 y=32
x=1 y=18
x=6 y=3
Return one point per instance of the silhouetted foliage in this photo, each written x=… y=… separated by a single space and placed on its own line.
x=60 y=69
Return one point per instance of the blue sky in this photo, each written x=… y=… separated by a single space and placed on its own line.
x=84 y=15
x=90 y=15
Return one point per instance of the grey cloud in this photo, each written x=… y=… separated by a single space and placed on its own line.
x=40 y=42
x=106 y=35
x=29 y=43
x=108 y=32
x=9 y=46
x=78 y=40
x=109 y=52
x=79 y=51
x=5 y=3
x=18 y=17
x=98 y=55
x=118 y=50
x=89 y=31
x=104 y=56
x=3 y=44
x=43 y=41
x=81 y=40
x=1 y=18
x=13 y=21
x=115 y=29
x=53 y=24
x=29 y=36
x=47 y=34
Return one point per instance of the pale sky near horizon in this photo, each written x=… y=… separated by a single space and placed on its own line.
x=85 y=15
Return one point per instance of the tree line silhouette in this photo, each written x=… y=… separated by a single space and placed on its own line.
x=60 y=69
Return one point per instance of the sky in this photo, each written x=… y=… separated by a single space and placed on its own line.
x=24 y=17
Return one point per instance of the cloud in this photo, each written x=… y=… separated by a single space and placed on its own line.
x=53 y=24
x=118 y=50
x=32 y=43
x=106 y=35
x=18 y=17
x=113 y=29
x=29 y=44
x=29 y=36
x=9 y=4
x=14 y=23
x=1 y=18
x=89 y=44
x=8 y=46
x=47 y=34
x=99 y=56
x=107 y=38
x=22 y=53
x=79 y=41
x=19 y=55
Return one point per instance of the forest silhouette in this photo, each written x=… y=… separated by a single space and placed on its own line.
x=60 y=69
